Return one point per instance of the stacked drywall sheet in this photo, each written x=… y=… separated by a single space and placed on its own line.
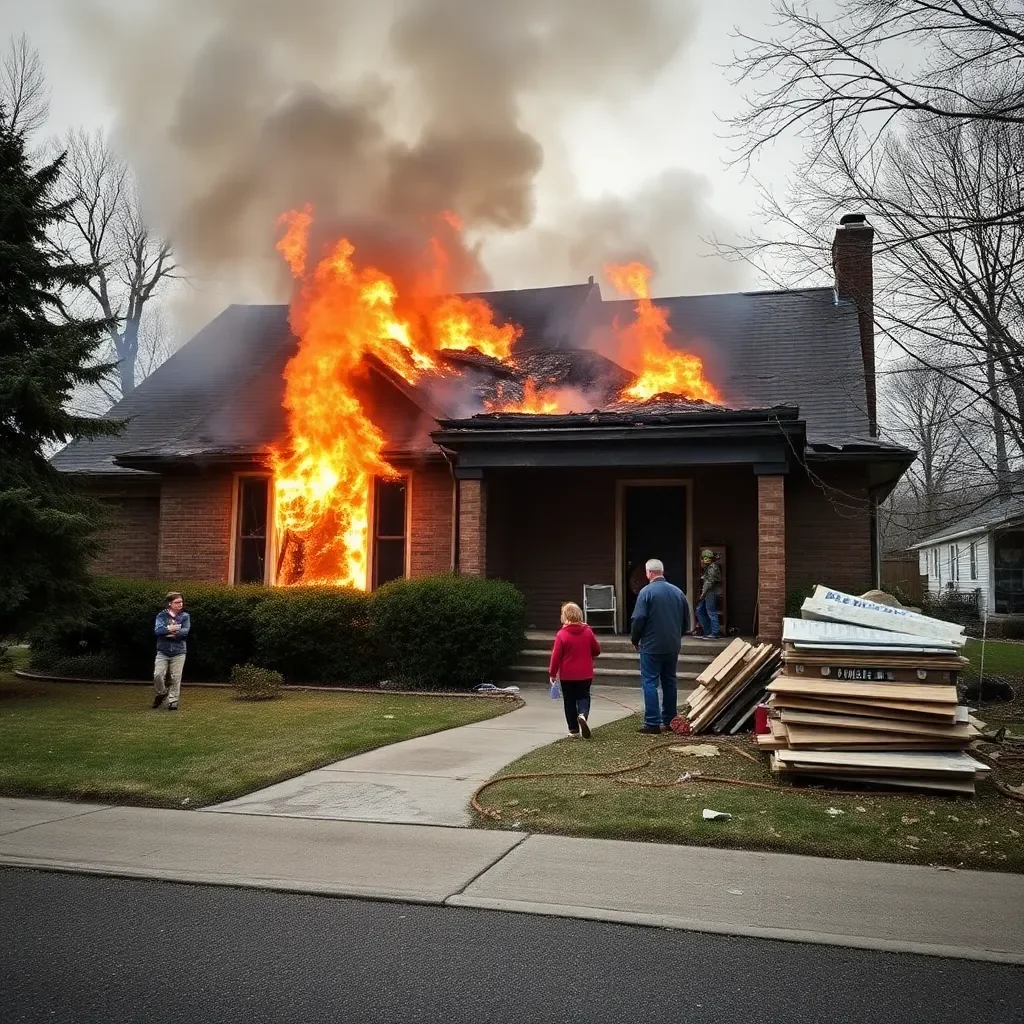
x=861 y=702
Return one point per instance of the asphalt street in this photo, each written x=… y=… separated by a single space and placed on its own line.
x=86 y=948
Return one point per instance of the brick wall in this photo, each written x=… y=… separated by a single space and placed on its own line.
x=473 y=527
x=828 y=530
x=430 y=541
x=195 y=526
x=771 y=556
x=131 y=533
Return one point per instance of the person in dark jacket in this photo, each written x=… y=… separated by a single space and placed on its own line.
x=572 y=663
x=171 y=628
x=660 y=618
x=710 y=594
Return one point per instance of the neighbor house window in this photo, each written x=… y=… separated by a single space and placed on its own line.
x=974 y=559
x=389 y=513
x=935 y=565
x=954 y=562
x=251 y=533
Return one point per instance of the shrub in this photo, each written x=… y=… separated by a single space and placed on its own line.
x=446 y=631
x=795 y=600
x=79 y=666
x=117 y=620
x=250 y=682
x=314 y=635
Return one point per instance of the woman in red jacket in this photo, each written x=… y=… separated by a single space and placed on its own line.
x=572 y=663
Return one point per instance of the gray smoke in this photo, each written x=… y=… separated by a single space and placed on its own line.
x=386 y=111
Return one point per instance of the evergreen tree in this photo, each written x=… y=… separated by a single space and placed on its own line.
x=47 y=526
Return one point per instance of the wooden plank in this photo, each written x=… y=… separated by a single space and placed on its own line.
x=726 y=669
x=913 y=763
x=824 y=656
x=924 y=693
x=723 y=657
x=801 y=736
x=926 y=714
x=869 y=724
x=728 y=690
x=939 y=714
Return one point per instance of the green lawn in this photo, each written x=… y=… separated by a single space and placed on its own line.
x=1001 y=659
x=985 y=832
x=96 y=742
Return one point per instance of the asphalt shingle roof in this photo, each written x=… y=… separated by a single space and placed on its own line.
x=222 y=390
x=995 y=513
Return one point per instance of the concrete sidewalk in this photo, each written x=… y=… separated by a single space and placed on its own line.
x=974 y=915
x=428 y=780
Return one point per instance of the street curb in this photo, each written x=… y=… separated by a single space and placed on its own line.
x=460 y=901
x=671 y=923
x=223 y=881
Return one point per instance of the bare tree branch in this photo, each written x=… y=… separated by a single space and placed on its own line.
x=23 y=91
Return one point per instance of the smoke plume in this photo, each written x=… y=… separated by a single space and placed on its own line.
x=383 y=112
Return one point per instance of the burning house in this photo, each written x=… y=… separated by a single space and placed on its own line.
x=385 y=425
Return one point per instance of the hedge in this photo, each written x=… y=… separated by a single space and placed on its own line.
x=447 y=630
x=315 y=635
x=444 y=631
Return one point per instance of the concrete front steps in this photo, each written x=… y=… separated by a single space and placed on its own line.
x=619 y=664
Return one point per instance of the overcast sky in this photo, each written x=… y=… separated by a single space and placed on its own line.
x=610 y=150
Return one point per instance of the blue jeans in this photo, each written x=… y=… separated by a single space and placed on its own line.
x=654 y=669
x=707 y=614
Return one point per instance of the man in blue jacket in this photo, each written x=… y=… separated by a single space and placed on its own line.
x=172 y=626
x=660 y=618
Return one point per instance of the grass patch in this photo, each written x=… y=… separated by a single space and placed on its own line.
x=95 y=742
x=1002 y=659
x=985 y=832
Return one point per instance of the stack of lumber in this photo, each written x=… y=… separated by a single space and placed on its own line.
x=732 y=686
x=871 y=699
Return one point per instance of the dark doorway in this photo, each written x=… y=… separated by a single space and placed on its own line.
x=654 y=526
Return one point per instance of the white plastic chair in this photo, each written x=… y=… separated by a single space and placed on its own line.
x=600 y=598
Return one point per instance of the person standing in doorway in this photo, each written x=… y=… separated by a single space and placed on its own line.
x=710 y=594
x=660 y=618
x=572 y=663
x=172 y=626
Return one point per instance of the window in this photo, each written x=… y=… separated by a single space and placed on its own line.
x=935 y=565
x=389 y=506
x=954 y=563
x=251 y=532
x=974 y=559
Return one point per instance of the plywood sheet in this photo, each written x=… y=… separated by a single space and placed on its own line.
x=868 y=724
x=724 y=657
x=965 y=786
x=923 y=693
x=939 y=714
x=909 y=763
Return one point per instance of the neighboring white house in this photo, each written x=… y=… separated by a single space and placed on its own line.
x=984 y=552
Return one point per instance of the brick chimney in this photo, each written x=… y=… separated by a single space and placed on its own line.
x=851 y=261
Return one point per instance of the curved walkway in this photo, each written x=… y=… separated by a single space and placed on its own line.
x=427 y=780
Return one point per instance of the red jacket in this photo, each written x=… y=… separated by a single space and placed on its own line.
x=572 y=657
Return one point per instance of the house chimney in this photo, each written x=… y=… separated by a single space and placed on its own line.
x=851 y=262
x=590 y=279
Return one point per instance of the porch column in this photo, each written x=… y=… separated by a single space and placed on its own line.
x=771 y=556
x=473 y=526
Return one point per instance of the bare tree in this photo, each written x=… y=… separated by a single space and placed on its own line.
x=872 y=62
x=105 y=229
x=23 y=91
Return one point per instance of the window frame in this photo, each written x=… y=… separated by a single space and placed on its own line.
x=371 y=561
x=974 y=561
x=954 y=563
x=270 y=551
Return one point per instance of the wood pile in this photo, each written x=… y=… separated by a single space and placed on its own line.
x=861 y=703
x=732 y=686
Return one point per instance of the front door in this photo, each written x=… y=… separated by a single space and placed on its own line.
x=654 y=526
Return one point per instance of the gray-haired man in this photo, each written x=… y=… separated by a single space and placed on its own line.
x=172 y=626
x=660 y=618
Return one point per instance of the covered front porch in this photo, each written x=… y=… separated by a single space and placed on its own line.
x=554 y=507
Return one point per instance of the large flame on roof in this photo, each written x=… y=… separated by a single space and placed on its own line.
x=343 y=313
x=643 y=349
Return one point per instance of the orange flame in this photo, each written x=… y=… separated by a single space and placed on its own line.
x=533 y=401
x=659 y=368
x=343 y=313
